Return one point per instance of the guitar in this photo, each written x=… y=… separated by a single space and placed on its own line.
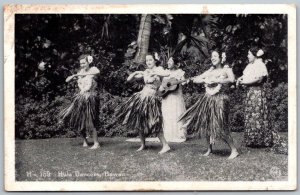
x=169 y=85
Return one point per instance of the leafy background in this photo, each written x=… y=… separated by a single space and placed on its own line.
x=48 y=45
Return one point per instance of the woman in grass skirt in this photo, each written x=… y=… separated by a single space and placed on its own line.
x=258 y=132
x=142 y=111
x=83 y=113
x=209 y=115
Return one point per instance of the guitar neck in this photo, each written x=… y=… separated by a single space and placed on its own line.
x=182 y=81
x=179 y=82
x=82 y=74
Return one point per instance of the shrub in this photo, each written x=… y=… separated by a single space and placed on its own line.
x=37 y=118
x=108 y=123
x=278 y=107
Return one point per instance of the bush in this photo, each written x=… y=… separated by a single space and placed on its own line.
x=278 y=107
x=236 y=113
x=108 y=123
x=37 y=118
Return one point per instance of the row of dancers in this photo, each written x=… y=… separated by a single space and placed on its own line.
x=167 y=118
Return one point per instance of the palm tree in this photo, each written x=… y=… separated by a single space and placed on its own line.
x=143 y=38
x=187 y=35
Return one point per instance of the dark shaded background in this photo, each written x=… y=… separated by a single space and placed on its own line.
x=48 y=46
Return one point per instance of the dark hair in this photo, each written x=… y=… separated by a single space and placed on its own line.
x=254 y=50
x=218 y=51
x=153 y=55
x=83 y=56
x=175 y=60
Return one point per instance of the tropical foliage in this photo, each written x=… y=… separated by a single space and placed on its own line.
x=48 y=46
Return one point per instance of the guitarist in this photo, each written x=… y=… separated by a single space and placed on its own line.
x=173 y=105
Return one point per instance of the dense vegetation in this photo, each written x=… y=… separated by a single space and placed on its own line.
x=48 y=46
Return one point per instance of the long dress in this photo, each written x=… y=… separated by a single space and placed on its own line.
x=83 y=113
x=173 y=107
x=257 y=129
x=142 y=111
x=209 y=115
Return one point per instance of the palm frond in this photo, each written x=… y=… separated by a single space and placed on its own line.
x=200 y=43
x=179 y=46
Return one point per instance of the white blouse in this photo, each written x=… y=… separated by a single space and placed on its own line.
x=177 y=74
x=256 y=69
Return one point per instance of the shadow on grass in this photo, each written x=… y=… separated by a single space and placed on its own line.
x=221 y=153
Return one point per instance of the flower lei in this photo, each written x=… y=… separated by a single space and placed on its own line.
x=212 y=90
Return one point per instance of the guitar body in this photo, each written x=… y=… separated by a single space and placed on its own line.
x=167 y=86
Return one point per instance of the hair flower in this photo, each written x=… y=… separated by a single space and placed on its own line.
x=259 y=53
x=156 y=56
x=89 y=59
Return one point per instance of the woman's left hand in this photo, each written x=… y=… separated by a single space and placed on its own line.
x=212 y=81
x=139 y=72
x=151 y=74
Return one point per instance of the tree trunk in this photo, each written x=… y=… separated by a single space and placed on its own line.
x=143 y=38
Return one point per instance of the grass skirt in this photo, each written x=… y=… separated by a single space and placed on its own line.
x=208 y=116
x=83 y=113
x=141 y=112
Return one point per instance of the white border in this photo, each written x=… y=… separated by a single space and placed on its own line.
x=9 y=84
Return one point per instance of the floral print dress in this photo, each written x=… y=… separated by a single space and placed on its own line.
x=257 y=129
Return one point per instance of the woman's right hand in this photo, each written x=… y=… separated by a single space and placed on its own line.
x=135 y=75
x=69 y=78
x=239 y=81
x=187 y=81
x=139 y=72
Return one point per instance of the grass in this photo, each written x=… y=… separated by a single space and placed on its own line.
x=63 y=159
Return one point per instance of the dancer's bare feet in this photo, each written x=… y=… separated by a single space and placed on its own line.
x=233 y=154
x=95 y=146
x=209 y=140
x=207 y=153
x=85 y=143
x=141 y=148
x=234 y=151
x=164 y=149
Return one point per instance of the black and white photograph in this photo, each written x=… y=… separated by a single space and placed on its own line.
x=158 y=97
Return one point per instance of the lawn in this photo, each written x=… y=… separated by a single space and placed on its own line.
x=64 y=159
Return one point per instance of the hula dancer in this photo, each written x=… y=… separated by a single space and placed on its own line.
x=83 y=112
x=142 y=111
x=209 y=115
